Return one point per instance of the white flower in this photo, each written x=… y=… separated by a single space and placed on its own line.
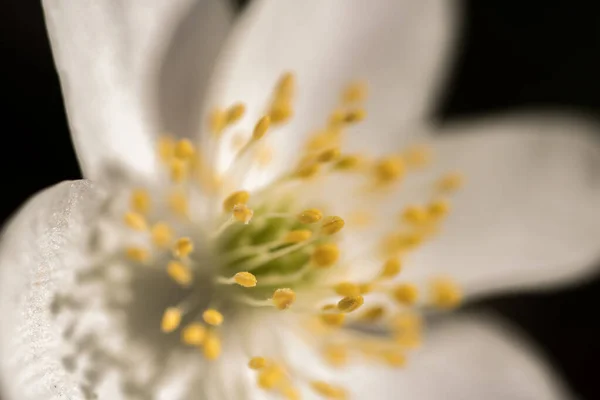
x=152 y=283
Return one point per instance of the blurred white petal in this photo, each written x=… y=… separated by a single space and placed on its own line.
x=529 y=213
x=110 y=56
x=400 y=47
x=464 y=358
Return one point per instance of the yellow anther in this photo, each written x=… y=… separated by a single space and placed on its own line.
x=140 y=201
x=332 y=225
x=161 y=234
x=348 y=162
x=212 y=346
x=394 y=358
x=389 y=169
x=171 y=319
x=178 y=170
x=194 y=334
x=406 y=294
x=245 y=279
x=270 y=377
x=281 y=111
x=290 y=393
x=184 y=149
x=308 y=170
x=239 y=197
x=137 y=254
x=438 y=208
x=415 y=215
x=264 y=155
x=218 y=122
x=179 y=273
x=328 y=155
x=366 y=287
x=329 y=307
x=373 y=314
x=395 y=243
x=333 y=320
x=183 y=247
x=212 y=317
x=354 y=92
x=235 y=113
x=257 y=363
x=325 y=255
x=261 y=127
x=328 y=391
x=178 y=202
x=242 y=213
x=323 y=140
x=310 y=216
x=284 y=298
x=355 y=116
x=135 y=221
x=297 y=236
x=418 y=156
x=284 y=89
x=336 y=355
x=391 y=268
x=347 y=289
x=445 y=293
x=350 y=303
x=336 y=118
x=450 y=182
x=166 y=148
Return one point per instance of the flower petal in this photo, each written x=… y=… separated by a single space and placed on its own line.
x=39 y=247
x=397 y=46
x=529 y=213
x=464 y=358
x=110 y=57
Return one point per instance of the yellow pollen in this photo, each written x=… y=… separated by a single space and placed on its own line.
x=257 y=363
x=366 y=287
x=297 y=236
x=445 y=293
x=183 y=247
x=347 y=289
x=212 y=346
x=281 y=111
x=389 y=169
x=171 y=319
x=325 y=255
x=285 y=86
x=239 y=197
x=323 y=140
x=178 y=202
x=184 y=149
x=328 y=391
x=354 y=93
x=194 y=334
x=178 y=170
x=270 y=377
x=394 y=358
x=307 y=171
x=235 y=113
x=350 y=303
x=450 y=182
x=336 y=118
x=140 y=201
x=355 y=116
x=438 y=208
x=348 y=162
x=161 y=234
x=310 y=216
x=373 y=314
x=332 y=225
x=135 y=221
x=137 y=254
x=242 y=213
x=333 y=320
x=245 y=279
x=336 y=355
x=406 y=294
x=261 y=128
x=415 y=215
x=328 y=155
x=391 y=268
x=283 y=298
x=179 y=273
x=218 y=122
x=212 y=317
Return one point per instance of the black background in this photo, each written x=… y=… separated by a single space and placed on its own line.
x=514 y=55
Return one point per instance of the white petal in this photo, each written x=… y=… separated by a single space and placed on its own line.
x=529 y=214
x=398 y=46
x=464 y=358
x=39 y=248
x=121 y=66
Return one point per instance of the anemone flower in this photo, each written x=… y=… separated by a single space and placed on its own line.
x=287 y=241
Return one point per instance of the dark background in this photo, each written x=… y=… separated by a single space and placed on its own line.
x=514 y=55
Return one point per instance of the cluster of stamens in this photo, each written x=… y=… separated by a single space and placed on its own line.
x=267 y=251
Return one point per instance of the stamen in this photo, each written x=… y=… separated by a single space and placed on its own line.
x=297 y=236
x=389 y=169
x=348 y=163
x=178 y=202
x=355 y=116
x=418 y=156
x=283 y=298
x=347 y=289
x=405 y=294
x=257 y=363
x=445 y=293
x=326 y=390
x=235 y=113
x=261 y=128
x=307 y=171
x=135 y=221
x=179 y=273
x=291 y=393
x=240 y=197
x=310 y=216
x=245 y=279
x=391 y=268
x=218 y=122
x=178 y=170
x=140 y=201
x=212 y=346
x=333 y=320
x=161 y=235
x=328 y=155
x=270 y=377
x=212 y=317
x=166 y=148
x=450 y=182
x=354 y=93
x=242 y=213
x=394 y=359
x=183 y=247
x=336 y=355
x=137 y=254
x=373 y=314
x=438 y=209
x=350 y=303
x=332 y=225
x=415 y=215
x=171 y=319
x=325 y=255
x=194 y=334
x=184 y=149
